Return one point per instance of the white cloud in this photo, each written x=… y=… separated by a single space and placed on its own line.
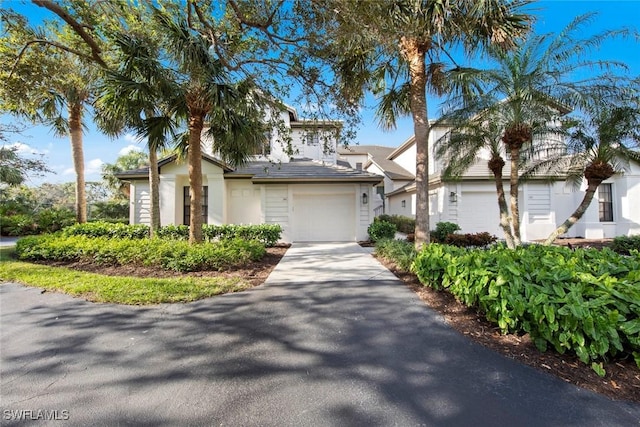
x=128 y=149
x=69 y=171
x=93 y=166
x=133 y=138
x=22 y=148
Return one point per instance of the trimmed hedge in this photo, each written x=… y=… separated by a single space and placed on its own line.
x=625 y=244
x=477 y=240
x=404 y=224
x=585 y=301
x=379 y=230
x=167 y=254
x=267 y=234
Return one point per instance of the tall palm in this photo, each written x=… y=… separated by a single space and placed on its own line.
x=397 y=49
x=599 y=146
x=130 y=98
x=460 y=147
x=530 y=87
x=199 y=91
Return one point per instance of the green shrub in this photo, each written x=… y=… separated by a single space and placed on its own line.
x=108 y=229
x=470 y=239
x=166 y=254
x=379 y=230
x=584 y=301
x=625 y=244
x=174 y=232
x=443 y=229
x=109 y=210
x=18 y=225
x=401 y=252
x=404 y=224
x=54 y=219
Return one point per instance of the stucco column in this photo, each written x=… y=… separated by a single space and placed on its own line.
x=169 y=200
x=217 y=199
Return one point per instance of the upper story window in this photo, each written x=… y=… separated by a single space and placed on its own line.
x=605 y=202
x=312 y=138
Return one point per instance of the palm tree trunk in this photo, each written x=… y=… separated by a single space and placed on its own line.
x=154 y=190
x=415 y=56
x=194 y=157
x=75 y=133
x=513 y=196
x=577 y=214
x=502 y=206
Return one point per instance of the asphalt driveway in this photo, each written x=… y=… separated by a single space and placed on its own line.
x=332 y=339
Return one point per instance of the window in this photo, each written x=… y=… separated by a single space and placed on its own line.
x=605 y=202
x=359 y=166
x=313 y=138
x=187 y=205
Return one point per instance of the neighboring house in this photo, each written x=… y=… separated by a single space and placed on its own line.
x=295 y=181
x=375 y=159
x=471 y=200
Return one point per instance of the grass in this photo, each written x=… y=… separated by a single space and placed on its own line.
x=114 y=289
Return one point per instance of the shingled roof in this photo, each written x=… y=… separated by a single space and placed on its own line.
x=303 y=170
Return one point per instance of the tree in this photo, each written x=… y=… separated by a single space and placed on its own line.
x=131 y=160
x=600 y=145
x=14 y=167
x=527 y=90
x=396 y=50
x=46 y=85
x=459 y=149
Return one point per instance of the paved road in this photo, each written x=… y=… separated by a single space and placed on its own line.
x=332 y=339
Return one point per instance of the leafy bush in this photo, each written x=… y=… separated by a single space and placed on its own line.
x=108 y=229
x=470 y=239
x=54 y=219
x=167 y=254
x=401 y=252
x=18 y=225
x=443 y=229
x=625 y=244
x=174 y=232
x=404 y=224
x=110 y=210
x=584 y=301
x=379 y=230
x=267 y=234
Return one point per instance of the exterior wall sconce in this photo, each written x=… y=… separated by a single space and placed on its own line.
x=404 y=204
x=365 y=198
x=453 y=197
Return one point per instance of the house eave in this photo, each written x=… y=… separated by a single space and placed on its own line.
x=311 y=180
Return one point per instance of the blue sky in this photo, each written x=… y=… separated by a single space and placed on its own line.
x=552 y=16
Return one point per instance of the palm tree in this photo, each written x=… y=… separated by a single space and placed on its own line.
x=397 y=49
x=459 y=149
x=530 y=87
x=600 y=145
x=130 y=98
x=198 y=91
x=47 y=86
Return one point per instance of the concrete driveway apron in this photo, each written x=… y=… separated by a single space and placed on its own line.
x=332 y=339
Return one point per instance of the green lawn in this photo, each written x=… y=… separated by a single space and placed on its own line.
x=112 y=289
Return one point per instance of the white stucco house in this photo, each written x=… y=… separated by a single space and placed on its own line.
x=296 y=181
x=471 y=200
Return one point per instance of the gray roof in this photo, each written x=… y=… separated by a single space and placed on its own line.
x=144 y=172
x=303 y=170
x=378 y=155
x=373 y=150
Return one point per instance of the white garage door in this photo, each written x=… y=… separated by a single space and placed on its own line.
x=478 y=211
x=323 y=218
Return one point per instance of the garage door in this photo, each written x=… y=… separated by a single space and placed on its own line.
x=323 y=218
x=478 y=211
